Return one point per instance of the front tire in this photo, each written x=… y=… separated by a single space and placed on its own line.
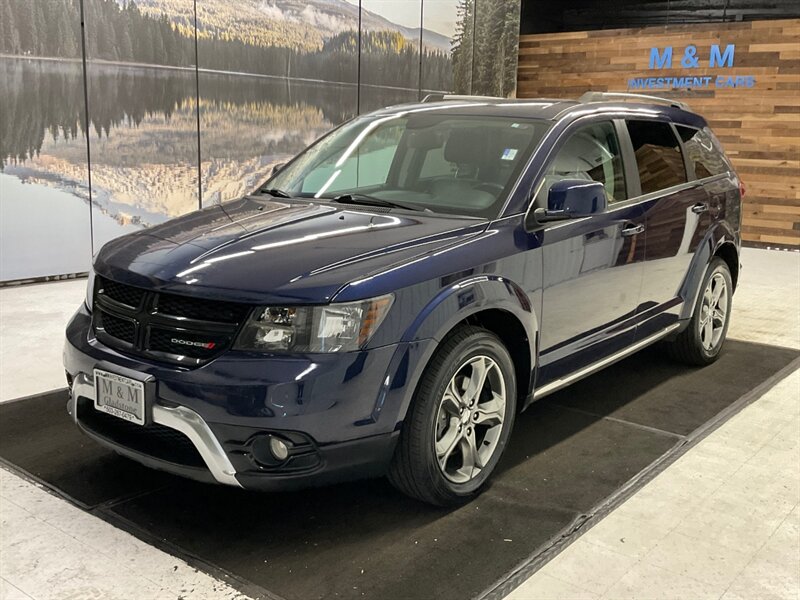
x=701 y=342
x=459 y=420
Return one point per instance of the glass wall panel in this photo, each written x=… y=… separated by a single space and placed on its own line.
x=142 y=112
x=273 y=78
x=443 y=22
x=390 y=60
x=44 y=193
x=495 y=47
x=463 y=45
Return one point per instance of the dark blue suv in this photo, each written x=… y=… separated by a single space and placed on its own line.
x=395 y=294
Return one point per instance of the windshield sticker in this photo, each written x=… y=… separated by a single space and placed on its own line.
x=509 y=154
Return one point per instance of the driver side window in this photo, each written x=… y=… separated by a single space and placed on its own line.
x=591 y=153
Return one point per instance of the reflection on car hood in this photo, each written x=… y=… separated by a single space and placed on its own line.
x=270 y=250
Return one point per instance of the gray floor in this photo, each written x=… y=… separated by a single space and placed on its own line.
x=721 y=522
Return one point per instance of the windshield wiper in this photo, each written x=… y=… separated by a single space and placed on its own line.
x=365 y=200
x=276 y=193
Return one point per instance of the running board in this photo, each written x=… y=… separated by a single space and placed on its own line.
x=601 y=364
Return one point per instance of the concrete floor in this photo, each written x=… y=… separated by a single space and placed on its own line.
x=722 y=522
x=32 y=322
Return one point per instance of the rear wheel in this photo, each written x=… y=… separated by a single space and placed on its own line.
x=701 y=342
x=459 y=421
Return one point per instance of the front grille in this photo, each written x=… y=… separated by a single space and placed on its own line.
x=198 y=308
x=121 y=329
x=153 y=439
x=168 y=327
x=124 y=294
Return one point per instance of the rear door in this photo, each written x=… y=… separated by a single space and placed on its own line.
x=676 y=211
x=592 y=267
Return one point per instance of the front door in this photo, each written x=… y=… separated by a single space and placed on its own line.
x=592 y=266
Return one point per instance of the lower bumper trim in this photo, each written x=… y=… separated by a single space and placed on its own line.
x=179 y=418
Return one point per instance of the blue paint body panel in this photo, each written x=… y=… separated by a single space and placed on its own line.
x=579 y=289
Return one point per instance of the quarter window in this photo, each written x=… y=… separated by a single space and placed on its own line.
x=591 y=153
x=658 y=155
x=702 y=152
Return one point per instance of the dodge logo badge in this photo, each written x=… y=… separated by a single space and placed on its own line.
x=205 y=345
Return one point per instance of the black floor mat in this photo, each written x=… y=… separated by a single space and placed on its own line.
x=38 y=436
x=569 y=452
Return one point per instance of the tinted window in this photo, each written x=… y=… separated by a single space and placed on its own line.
x=702 y=152
x=592 y=154
x=658 y=155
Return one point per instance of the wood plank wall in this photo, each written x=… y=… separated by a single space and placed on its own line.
x=759 y=126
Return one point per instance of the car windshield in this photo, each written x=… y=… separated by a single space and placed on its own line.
x=423 y=160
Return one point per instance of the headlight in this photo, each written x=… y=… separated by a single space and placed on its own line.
x=90 y=290
x=332 y=328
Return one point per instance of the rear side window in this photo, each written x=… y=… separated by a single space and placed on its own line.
x=702 y=152
x=658 y=155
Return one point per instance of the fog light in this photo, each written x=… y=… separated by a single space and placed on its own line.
x=278 y=448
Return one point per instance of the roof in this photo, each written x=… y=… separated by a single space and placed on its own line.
x=539 y=108
x=550 y=109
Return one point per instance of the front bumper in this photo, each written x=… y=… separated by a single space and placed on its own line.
x=179 y=418
x=339 y=414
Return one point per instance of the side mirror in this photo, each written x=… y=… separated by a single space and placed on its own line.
x=571 y=199
x=276 y=169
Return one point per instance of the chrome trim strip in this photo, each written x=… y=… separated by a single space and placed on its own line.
x=82 y=387
x=180 y=418
x=195 y=428
x=601 y=364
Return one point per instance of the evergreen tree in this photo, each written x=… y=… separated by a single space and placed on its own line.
x=9 y=33
x=463 y=47
x=26 y=25
x=125 y=44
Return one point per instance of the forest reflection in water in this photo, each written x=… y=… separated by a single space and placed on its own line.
x=144 y=138
x=143 y=128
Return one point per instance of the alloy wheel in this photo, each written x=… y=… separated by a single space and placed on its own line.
x=713 y=311
x=470 y=418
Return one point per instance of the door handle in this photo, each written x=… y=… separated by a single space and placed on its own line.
x=700 y=207
x=631 y=229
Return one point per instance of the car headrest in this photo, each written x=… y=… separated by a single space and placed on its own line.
x=581 y=154
x=464 y=146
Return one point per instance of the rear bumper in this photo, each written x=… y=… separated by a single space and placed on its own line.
x=339 y=415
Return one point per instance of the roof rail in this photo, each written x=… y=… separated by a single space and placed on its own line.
x=461 y=97
x=600 y=96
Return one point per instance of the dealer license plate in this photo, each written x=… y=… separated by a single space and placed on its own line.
x=120 y=396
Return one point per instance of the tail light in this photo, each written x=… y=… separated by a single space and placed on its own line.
x=742 y=188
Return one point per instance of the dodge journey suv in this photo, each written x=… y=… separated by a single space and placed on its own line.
x=391 y=298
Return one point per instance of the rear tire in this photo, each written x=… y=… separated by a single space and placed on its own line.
x=459 y=420
x=701 y=342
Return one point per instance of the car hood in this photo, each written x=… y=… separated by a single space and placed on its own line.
x=269 y=250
